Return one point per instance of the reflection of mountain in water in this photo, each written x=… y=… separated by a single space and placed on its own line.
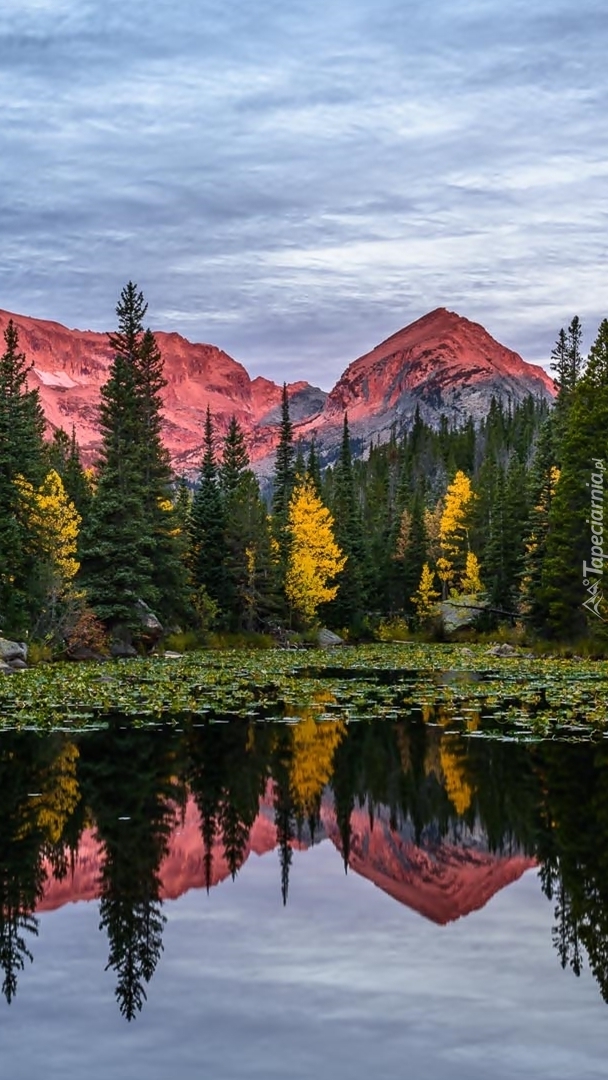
x=442 y=878
x=439 y=823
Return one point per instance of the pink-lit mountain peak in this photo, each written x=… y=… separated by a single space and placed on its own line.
x=442 y=364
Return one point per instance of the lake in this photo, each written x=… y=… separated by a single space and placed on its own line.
x=318 y=893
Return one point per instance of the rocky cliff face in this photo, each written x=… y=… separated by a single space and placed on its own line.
x=441 y=363
x=70 y=367
x=441 y=878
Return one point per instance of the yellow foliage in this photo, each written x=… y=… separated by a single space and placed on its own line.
x=56 y=522
x=314 y=746
x=314 y=557
x=453 y=528
x=426 y=597
x=471 y=582
x=91 y=478
x=60 y=794
x=458 y=499
x=457 y=788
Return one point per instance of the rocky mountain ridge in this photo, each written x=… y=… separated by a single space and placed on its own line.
x=442 y=364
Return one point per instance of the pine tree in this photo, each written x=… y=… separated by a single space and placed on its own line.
x=162 y=524
x=544 y=476
x=569 y=570
x=568 y=365
x=22 y=453
x=283 y=482
x=251 y=580
x=503 y=551
x=235 y=459
x=411 y=551
x=313 y=467
x=208 y=527
x=128 y=552
x=349 y=606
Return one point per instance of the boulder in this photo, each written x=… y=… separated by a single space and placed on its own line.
x=502 y=650
x=151 y=627
x=5 y=669
x=122 y=650
x=328 y=640
x=460 y=614
x=12 y=650
x=18 y=665
x=82 y=652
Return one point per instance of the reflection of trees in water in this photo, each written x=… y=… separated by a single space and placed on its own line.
x=130 y=788
x=227 y=773
x=38 y=797
x=548 y=800
x=574 y=848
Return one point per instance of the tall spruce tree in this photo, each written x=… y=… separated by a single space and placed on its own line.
x=22 y=453
x=130 y=551
x=413 y=555
x=569 y=543
x=64 y=458
x=208 y=527
x=283 y=481
x=503 y=551
x=313 y=467
x=157 y=485
x=349 y=607
x=541 y=490
x=251 y=585
x=568 y=365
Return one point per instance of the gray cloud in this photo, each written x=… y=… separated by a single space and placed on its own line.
x=296 y=182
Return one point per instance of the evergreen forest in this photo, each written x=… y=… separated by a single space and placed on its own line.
x=494 y=527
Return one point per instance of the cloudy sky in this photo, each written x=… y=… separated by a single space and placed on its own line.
x=296 y=181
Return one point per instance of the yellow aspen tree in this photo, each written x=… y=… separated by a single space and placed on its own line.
x=471 y=581
x=55 y=523
x=314 y=556
x=426 y=596
x=454 y=531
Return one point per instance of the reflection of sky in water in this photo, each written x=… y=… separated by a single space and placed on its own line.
x=342 y=983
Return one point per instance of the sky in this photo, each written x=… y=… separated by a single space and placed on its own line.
x=294 y=182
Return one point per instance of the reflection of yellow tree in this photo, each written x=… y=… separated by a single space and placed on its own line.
x=60 y=794
x=457 y=788
x=314 y=746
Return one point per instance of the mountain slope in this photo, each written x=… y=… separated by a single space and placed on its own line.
x=442 y=363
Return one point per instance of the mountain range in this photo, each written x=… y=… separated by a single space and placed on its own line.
x=442 y=364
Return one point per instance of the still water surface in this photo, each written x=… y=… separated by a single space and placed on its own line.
x=175 y=903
